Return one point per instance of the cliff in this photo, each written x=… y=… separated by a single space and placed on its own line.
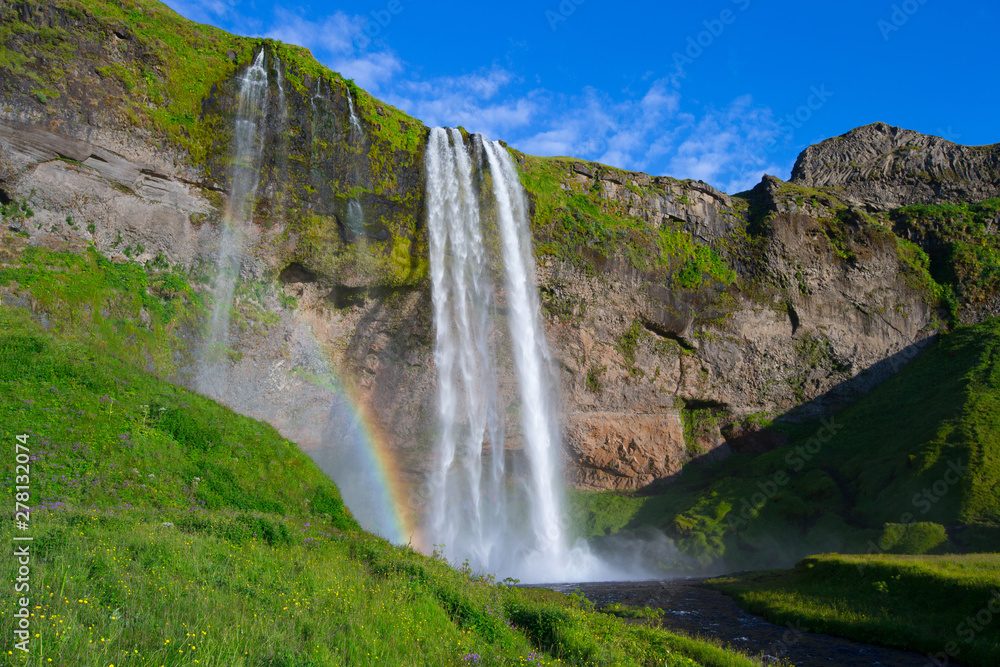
x=880 y=167
x=683 y=319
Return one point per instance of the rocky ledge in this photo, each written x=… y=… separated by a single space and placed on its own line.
x=880 y=167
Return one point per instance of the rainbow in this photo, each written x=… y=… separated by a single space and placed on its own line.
x=354 y=451
x=394 y=514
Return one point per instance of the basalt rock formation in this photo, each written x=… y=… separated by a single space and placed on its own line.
x=880 y=167
x=681 y=318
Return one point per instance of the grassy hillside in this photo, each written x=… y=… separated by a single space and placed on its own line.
x=943 y=606
x=923 y=448
x=166 y=66
x=169 y=530
x=963 y=246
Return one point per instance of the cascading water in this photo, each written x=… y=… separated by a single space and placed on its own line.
x=531 y=356
x=467 y=385
x=505 y=521
x=247 y=152
x=356 y=132
x=476 y=515
x=355 y=214
x=324 y=417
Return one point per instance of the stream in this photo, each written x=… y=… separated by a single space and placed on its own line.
x=696 y=610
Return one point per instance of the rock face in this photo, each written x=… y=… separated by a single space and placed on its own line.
x=652 y=374
x=121 y=193
x=881 y=167
x=611 y=452
x=807 y=330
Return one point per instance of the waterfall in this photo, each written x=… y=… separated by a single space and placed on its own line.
x=337 y=435
x=357 y=134
x=244 y=173
x=531 y=355
x=467 y=385
x=356 y=140
x=476 y=514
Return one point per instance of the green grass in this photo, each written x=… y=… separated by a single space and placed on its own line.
x=962 y=244
x=120 y=587
x=105 y=434
x=583 y=228
x=932 y=604
x=169 y=529
x=922 y=448
x=86 y=297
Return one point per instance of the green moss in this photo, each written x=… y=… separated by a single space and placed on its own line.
x=914 y=538
x=579 y=226
x=594 y=379
x=629 y=342
x=963 y=250
x=695 y=264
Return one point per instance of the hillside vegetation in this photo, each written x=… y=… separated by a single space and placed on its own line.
x=942 y=606
x=921 y=450
x=166 y=67
x=169 y=530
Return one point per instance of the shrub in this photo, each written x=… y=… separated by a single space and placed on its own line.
x=914 y=538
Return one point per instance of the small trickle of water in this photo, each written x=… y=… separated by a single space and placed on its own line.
x=244 y=173
x=355 y=214
x=357 y=132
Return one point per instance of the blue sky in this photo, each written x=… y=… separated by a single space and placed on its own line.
x=723 y=91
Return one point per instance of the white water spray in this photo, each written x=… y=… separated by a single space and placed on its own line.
x=467 y=386
x=508 y=522
x=531 y=356
x=247 y=152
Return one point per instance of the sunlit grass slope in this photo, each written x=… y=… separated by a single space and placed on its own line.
x=946 y=606
x=171 y=531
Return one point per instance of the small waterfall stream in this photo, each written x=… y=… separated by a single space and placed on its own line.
x=356 y=142
x=245 y=164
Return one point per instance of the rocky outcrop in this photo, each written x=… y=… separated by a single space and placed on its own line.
x=612 y=451
x=657 y=200
x=880 y=167
x=115 y=191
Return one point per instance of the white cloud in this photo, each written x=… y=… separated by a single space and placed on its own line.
x=333 y=35
x=339 y=41
x=203 y=11
x=369 y=70
x=466 y=100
